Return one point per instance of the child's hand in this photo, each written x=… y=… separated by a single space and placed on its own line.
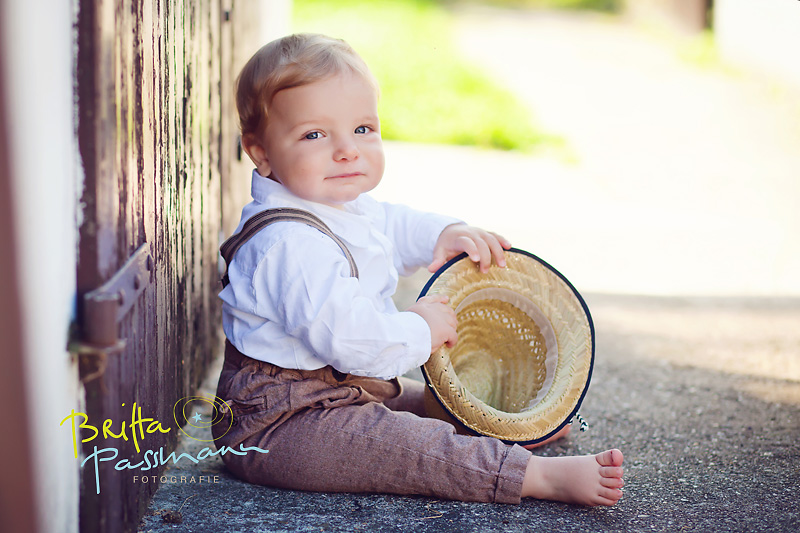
x=440 y=318
x=480 y=245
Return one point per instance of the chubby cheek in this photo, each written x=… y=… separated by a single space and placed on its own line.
x=377 y=163
x=294 y=169
x=302 y=167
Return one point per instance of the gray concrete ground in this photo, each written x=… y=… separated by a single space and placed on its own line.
x=677 y=181
x=708 y=447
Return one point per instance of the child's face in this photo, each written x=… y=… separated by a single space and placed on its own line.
x=323 y=140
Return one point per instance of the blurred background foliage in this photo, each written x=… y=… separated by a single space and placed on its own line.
x=429 y=92
x=593 y=5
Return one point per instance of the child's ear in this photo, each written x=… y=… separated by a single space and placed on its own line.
x=258 y=155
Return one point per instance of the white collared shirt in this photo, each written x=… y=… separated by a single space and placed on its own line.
x=292 y=302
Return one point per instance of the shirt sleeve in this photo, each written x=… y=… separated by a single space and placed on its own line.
x=414 y=235
x=304 y=283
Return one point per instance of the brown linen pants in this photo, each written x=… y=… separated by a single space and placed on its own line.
x=333 y=432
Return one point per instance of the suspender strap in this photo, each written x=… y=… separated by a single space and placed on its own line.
x=263 y=219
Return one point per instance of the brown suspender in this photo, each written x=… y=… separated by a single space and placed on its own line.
x=263 y=219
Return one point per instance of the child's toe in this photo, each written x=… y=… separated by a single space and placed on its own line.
x=612 y=495
x=612 y=482
x=610 y=458
x=611 y=471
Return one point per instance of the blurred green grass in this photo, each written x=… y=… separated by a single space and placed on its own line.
x=592 y=5
x=429 y=93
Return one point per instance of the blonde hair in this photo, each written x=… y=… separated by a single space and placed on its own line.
x=291 y=61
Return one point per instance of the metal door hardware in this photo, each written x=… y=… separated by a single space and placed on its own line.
x=107 y=305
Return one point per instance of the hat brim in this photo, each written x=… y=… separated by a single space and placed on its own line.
x=536 y=282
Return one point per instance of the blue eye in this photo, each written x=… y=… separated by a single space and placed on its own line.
x=362 y=129
x=313 y=135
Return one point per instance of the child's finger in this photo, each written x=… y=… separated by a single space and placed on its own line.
x=505 y=243
x=439 y=259
x=452 y=339
x=484 y=254
x=435 y=299
x=436 y=265
x=452 y=319
x=470 y=247
x=497 y=250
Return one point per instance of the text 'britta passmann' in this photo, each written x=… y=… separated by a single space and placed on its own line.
x=140 y=427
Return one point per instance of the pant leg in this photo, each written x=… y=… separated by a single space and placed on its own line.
x=411 y=399
x=370 y=448
x=325 y=432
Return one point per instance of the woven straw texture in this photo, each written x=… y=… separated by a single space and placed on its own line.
x=525 y=351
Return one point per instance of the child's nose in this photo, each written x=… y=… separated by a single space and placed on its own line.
x=346 y=150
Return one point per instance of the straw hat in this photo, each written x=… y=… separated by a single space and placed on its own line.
x=525 y=351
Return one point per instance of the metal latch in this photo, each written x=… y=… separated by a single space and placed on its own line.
x=105 y=307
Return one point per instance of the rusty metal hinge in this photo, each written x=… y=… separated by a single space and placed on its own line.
x=105 y=307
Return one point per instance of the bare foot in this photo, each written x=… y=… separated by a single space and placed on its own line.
x=563 y=433
x=583 y=480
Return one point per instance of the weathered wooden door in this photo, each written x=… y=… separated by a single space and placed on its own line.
x=154 y=145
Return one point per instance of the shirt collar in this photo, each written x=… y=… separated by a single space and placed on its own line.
x=351 y=224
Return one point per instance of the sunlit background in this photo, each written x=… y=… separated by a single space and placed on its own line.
x=638 y=150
